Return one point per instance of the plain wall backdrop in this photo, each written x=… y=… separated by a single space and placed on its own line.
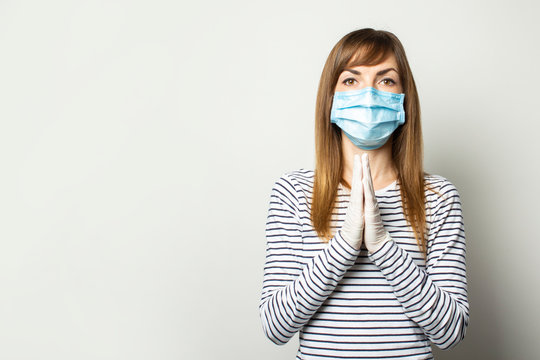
x=139 y=142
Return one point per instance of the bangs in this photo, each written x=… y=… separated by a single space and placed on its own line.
x=365 y=48
x=370 y=53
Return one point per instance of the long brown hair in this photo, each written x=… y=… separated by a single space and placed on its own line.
x=368 y=47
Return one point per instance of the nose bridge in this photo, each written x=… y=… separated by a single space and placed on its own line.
x=369 y=78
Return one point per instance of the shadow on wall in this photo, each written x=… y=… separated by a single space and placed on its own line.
x=484 y=337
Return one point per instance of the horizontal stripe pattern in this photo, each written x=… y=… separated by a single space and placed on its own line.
x=348 y=304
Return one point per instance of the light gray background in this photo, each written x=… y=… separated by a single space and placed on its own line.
x=139 y=142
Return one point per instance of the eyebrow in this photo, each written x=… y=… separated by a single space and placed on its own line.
x=379 y=73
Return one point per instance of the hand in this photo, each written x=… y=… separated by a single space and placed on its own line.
x=353 y=225
x=375 y=235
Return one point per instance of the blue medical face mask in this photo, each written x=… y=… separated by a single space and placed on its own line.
x=368 y=116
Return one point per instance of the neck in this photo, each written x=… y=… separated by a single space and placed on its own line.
x=383 y=171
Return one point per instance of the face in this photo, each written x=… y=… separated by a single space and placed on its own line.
x=383 y=76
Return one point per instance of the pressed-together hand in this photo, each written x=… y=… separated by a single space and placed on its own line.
x=375 y=235
x=354 y=221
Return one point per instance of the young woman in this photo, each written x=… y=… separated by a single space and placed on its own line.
x=365 y=254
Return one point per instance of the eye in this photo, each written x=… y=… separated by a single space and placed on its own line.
x=349 y=81
x=388 y=82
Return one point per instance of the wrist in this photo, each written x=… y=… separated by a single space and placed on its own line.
x=353 y=241
x=374 y=247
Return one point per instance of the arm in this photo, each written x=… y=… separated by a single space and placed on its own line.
x=292 y=292
x=436 y=299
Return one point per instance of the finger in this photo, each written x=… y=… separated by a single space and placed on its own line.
x=368 y=169
x=356 y=163
x=360 y=185
x=356 y=185
x=367 y=182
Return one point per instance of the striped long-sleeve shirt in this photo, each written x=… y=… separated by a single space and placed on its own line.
x=348 y=304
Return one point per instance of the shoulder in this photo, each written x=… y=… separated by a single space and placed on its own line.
x=297 y=180
x=440 y=191
x=438 y=183
x=293 y=184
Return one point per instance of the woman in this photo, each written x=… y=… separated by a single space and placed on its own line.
x=365 y=256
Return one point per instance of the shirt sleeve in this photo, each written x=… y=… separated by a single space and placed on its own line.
x=435 y=298
x=294 y=290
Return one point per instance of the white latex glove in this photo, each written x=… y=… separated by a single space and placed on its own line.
x=353 y=225
x=375 y=235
